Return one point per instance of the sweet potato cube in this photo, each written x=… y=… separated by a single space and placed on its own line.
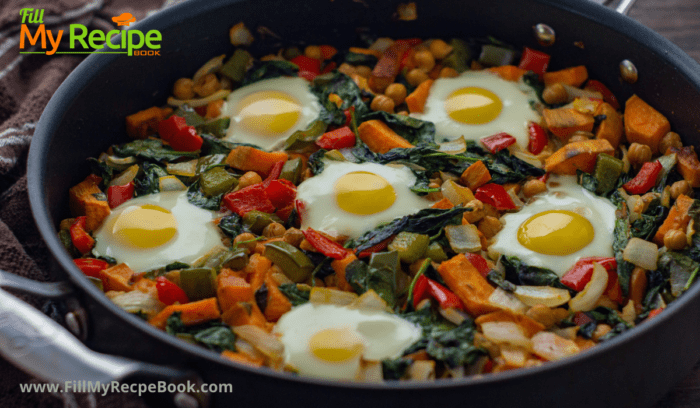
x=644 y=124
x=577 y=155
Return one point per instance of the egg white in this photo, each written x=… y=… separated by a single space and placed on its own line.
x=196 y=234
x=321 y=211
x=563 y=194
x=384 y=336
x=513 y=119
x=297 y=88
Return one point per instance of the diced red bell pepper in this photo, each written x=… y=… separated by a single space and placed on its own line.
x=655 y=312
x=307 y=75
x=309 y=68
x=538 y=138
x=645 y=179
x=498 y=142
x=327 y=51
x=348 y=115
x=117 y=195
x=533 y=60
x=168 y=128
x=581 y=318
x=420 y=290
x=406 y=58
x=375 y=248
x=91 y=266
x=580 y=274
x=608 y=96
x=329 y=67
x=300 y=207
x=169 y=293
x=275 y=172
x=285 y=212
x=479 y=263
x=324 y=245
x=411 y=42
x=495 y=195
x=186 y=140
x=82 y=241
x=613 y=291
x=337 y=139
x=543 y=178
x=281 y=193
x=445 y=297
x=248 y=199
x=201 y=110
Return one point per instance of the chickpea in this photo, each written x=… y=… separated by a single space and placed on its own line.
x=670 y=139
x=363 y=70
x=675 y=240
x=490 y=226
x=534 y=187
x=416 y=76
x=183 y=88
x=382 y=103
x=424 y=60
x=347 y=69
x=397 y=92
x=313 y=51
x=448 y=72
x=639 y=154
x=207 y=85
x=555 y=93
x=248 y=239
x=601 y=330
x=273 y=230
x=248 y=179
x=477 y=211
x=440 y=49
x=293 y=236
x=680 y=187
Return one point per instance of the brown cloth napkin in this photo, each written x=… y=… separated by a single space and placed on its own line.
x=27 y=82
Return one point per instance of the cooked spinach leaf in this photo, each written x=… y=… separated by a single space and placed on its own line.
x=213 y=335
x=395 y=369
x=269 y=69
x=151 y=149
x=587 y=181
x=315 y=162
x=176 y=265
x=101 y=169
x=610 y=317
x=521 y=274
x=213 y=145
x=232 y=225
x=680 y=270
x=216 y=127
x=498 y=278
x=192 y=118
x=195 y=196
x=261 y=297
x=343 y=86
x=414 y=130
x=295 y=295
x=174 y=325
x=302 y=139
x=621 y=237
x=427 y=221
x=363 y=277
x=148 y=183
x=355 y=58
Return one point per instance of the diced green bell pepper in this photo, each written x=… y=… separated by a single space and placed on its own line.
x=294 y=263
x=216 y=181
x=607 y=171
x=256 y=220
x=291 y=170
x=410 y=246
x=198 y=283
x=435 y=252
x=216 y=127
x=237 y=65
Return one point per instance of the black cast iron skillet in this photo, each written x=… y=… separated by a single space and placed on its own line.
x=86 y=115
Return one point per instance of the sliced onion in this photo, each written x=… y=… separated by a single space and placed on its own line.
x=119 y=163
x=137 y=301
x=507 y=301
x=463 y=238
x=321 y=295
x=171 y=183
x=455 y=193
x=195 y=103
x=422 y=370
x=453 y=315
x=529 y=159
x=505 y=332
x=370 y=300
x=514 y=356
x=586 y=299
x=186 y=169
x=266 y=343
x=552 y=347
x=126 y=176
x=567 y=332
x=642 y=253
x=542 y=295
x=456 y=146
x=210 y=66
x=574 y=93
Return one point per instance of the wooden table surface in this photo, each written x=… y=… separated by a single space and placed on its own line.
x=679 y=21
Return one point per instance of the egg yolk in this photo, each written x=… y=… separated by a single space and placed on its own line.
x=145 y=226
x=556 y=232
x=473 y=105
x=268 y=113
x=364 y=193
x=336 y=345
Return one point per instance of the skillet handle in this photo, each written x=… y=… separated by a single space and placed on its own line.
x=43 y=348
x=624 y=6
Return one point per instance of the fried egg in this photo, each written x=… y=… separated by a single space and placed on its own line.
x=267 y=112
x=351 y=198
x=557 y=228
x=328 y=341
x=155 y=230
x=478 y=104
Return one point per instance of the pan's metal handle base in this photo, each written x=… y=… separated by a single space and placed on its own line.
x=623 y=6
x=43 y=348
x=51 y=290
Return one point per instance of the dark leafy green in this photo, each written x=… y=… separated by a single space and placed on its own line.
x=414 y=130
x=213 y=145
x=354 y=58
x=196 y=197
x=315 y=162
x=101 y=169
x=395 y=369
x=521 y=274
x=213 y=335
x=302 y=139
x=343 y=86
x=151 y=149
x=269 y=69
x=587 y=181
x=499 y=279
x=680 y=270
x=295 y=295
x=427 y=221
x=621 y=237
x=232 y=225
x=176 y=265
x=216 y=127
x=147 y=183
x=261 y=297
x=610 y=317
x=363 y=277
x=192 y=118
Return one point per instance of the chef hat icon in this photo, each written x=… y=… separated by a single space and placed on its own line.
x=124 y=19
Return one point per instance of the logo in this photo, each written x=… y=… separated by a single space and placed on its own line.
x=80 y=40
